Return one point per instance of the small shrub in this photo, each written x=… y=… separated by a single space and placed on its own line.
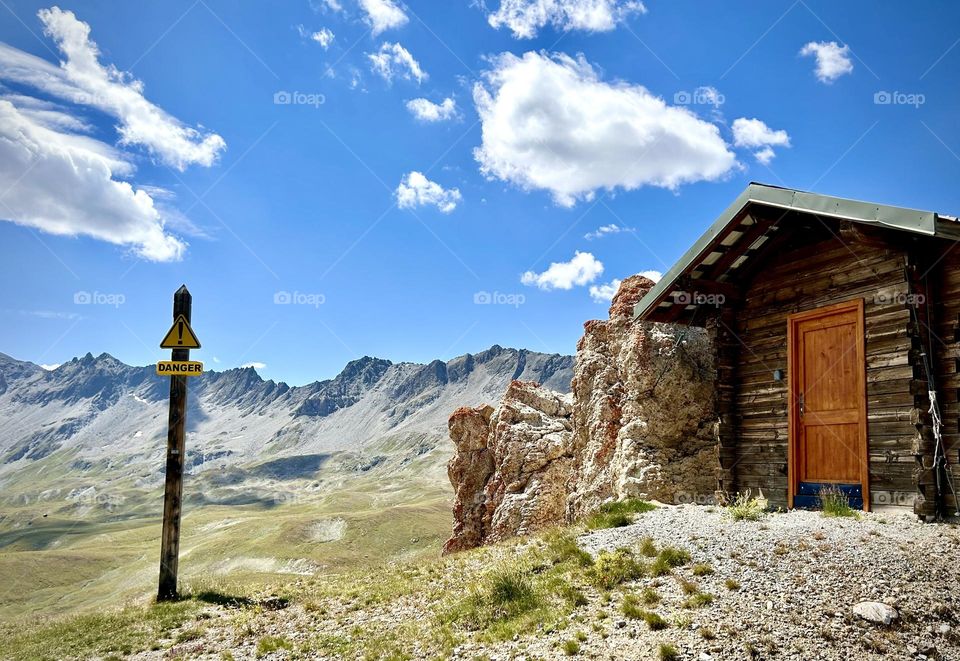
x=701 y=569
x=582 y=637
x=669 y=653
x=571 y=647
x=745 y=508
x=835 y=503
x=707 y=633
x=648 y=548
x=613 y=568
x=732 y=584
x=617 y=514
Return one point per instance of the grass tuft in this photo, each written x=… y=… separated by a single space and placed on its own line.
x=613 y=568
x=269 y=644
x=745 y=508
x=836 y=504
x=650 y=596
x=631 y=608
x=648 y=548
x=617 y=514
x=571 y=647
x=669 y=653
x=562 y=547
x=698 y=600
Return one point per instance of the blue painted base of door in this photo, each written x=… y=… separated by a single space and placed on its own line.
x=808 y=494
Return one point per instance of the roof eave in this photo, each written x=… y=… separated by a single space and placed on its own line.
x=912 y=220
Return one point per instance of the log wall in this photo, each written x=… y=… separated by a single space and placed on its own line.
x=752 y=340
x=945 y=332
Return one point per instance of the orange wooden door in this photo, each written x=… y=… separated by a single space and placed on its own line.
x=828 y=397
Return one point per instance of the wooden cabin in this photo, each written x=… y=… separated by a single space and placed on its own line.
x=834 y=323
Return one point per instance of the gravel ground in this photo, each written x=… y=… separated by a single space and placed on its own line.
x=798 y=574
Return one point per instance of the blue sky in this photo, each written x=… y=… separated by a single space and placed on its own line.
x=281 y=175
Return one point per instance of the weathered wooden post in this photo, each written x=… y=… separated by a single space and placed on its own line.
x=180 y=339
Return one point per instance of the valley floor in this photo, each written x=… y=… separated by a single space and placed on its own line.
x=684 y=582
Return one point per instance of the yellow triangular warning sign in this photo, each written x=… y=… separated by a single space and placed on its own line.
x=180 y=336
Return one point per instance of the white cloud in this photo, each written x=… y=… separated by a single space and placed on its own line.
x=428 y=111
x=395 y=60
x=604 y=293
x=416 y=190
x=550 y=123
x=61 y=179
x=525 y=17
x=83 y=80
x=581 y=270
x=383 y=15
x=332 y=5
x=764 y=155
x=323 y=36
x=833 y=60
x=255 y=365
x=652 y=275
x=64 y=183
x=606 y=230
x=709 y=95
x=755 y=134
x=50 y=367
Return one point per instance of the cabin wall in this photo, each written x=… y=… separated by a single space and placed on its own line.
x=751 y=343
x=945 y=304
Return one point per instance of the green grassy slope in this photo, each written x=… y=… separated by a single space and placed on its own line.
x=60 y=556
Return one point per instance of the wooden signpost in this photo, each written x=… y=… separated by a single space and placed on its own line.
x=181 y=339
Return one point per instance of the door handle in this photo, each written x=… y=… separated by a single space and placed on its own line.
x=801 y=405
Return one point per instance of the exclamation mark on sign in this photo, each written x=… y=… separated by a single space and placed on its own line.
x=180 y=332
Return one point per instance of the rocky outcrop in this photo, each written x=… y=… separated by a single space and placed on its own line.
x=469 y=471
x=638 y=423
x=643 y=409
x=511 y=465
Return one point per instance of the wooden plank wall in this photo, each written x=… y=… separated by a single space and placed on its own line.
x=826 y=270
x=946 y=348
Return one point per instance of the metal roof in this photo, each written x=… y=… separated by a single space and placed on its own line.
x=738 y=232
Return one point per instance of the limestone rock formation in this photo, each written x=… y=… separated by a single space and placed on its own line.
x=643 y=407
x=511 y=465
x=638 y=423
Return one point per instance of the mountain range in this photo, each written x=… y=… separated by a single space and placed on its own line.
x=106 y=416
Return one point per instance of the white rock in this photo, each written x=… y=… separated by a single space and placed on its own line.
x=876 y=612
